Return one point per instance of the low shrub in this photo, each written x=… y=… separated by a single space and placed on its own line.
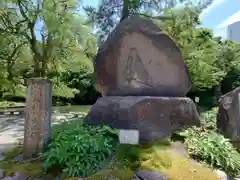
x=209 y=119
x=212 y=148
x=79 y=150
x=6 y=104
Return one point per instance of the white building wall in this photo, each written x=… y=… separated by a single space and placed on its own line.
x=233 y=32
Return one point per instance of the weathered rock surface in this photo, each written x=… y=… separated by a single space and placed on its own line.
x=7 y=178
x=228 y=118
x=149 y=175
x=155 y=117
x=37 y=128
x=19 y=176
x=221 y=174
x=139 y=59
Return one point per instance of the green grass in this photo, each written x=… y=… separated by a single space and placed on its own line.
x=61 y=109
x=161 y=158
x=72 y=108
x=157 y=156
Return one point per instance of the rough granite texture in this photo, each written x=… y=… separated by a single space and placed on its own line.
x=155 y=117
x=139 y=59
x=228 y=118
x=149 y=175
x=37 y=116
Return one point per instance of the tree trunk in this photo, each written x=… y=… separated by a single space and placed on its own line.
x=125 y=10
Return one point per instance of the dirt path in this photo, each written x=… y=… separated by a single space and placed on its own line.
x=12 y=131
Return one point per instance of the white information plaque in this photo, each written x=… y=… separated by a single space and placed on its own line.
x=128 y=136
x=197 y=99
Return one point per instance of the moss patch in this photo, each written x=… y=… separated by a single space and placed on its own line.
x=28 y=168
x=13 y=153
x=121 y=174
x=159 y=157
x=32 y=169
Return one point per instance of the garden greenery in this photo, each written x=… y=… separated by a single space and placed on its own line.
x=79 y=150
x=205 y=144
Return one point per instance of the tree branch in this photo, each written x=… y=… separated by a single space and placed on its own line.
x=156 y=17
x=22 y=10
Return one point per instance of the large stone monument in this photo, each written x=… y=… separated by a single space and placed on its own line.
x=143 y=79
x=228 y=118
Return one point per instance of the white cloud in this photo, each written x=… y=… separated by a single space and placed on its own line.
x=209 y=8
x=232 y=19
x=222 y=32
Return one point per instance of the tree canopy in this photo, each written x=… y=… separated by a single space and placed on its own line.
x=209 y=58
x=53 y=39
x=44 y=39
x=110 y=12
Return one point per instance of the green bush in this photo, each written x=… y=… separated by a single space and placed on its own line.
x=79 y=150
x=210 y=118
x=212 y=148
x=6 y=104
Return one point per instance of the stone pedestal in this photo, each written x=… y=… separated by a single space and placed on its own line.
x=228 y=118
x=156 y=118
x=38 y=113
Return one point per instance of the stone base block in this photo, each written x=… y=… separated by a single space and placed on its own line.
x=156 y=118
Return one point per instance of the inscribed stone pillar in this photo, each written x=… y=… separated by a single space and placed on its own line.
x=38 y=113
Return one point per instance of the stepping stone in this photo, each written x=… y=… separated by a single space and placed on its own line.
x=149 y=175
x=18 y=158
x=19 y=176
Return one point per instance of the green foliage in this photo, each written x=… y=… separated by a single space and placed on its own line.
x=5 y=104
x=110 y=12
x=210 y=118
x=65 y=43
x=231 y=80
x=159 y=157
x=205 y=144
x=79 y=150
x=212 y=148
x=208 y=59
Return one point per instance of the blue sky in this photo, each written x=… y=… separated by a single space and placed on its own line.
x=220 y=14
x=216 y=17
x=90 y=2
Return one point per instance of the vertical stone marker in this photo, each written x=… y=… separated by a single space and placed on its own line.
x=37 y=130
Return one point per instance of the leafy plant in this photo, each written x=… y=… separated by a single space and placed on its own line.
x=79 y=150
x=212 y=148
x=209 y=118
x=5 y=104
